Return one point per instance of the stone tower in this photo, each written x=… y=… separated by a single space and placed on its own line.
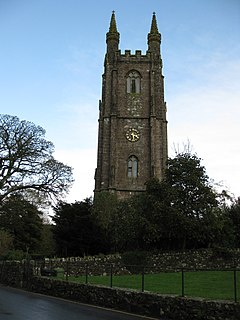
x=132 y=136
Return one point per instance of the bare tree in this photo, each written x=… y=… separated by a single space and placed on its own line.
x=27 y=163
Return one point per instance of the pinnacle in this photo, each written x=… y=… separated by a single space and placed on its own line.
x=154 y=27
x=113 y=24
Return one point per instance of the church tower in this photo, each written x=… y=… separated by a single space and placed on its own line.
x=132 y=136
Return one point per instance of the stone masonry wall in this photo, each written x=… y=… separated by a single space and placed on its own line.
x=15 y=273
x=201 y=259
x=164 y=307
x=148 y=304
x=193 y=260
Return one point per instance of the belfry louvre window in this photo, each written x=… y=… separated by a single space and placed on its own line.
x=132 y=167
x=133 y=82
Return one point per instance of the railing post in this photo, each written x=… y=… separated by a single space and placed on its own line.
x=86 y=274
x=183 y=284
x=2 y=269
x=143 y=280
x=235 y=284
x=111 y=276
x=67 y=270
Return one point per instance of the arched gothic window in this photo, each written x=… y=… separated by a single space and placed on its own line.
x=132 y=167
x=133 y=82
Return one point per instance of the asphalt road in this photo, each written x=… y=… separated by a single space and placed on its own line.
x=16 y=304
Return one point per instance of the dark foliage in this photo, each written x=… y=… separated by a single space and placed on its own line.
x=180 y=212
x=75 y=230
x=233 y=213
x=23 y=221
x=135 y=260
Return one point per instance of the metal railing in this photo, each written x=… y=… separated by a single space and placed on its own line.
x=178 y=282
x=144 y=278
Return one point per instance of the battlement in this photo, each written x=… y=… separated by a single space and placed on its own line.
x=137 y=53
x=129 y=56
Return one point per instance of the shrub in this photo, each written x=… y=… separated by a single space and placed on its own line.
x=135 y=260
x=223 y=253
x=18 y=255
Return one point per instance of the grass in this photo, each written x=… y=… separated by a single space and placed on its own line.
x=203 y=284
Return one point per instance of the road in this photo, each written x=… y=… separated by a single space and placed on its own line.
x=17 y=304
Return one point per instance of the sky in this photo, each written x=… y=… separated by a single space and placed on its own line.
x=51 y=66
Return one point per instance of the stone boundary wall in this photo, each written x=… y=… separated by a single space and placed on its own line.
x=172 y=261
x=199 y=259
x=164 y=307
x=15 y=273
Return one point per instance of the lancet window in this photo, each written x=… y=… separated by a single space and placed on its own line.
x=132 y=167
x=133 y=82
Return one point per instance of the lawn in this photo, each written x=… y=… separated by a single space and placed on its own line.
x=204 y=284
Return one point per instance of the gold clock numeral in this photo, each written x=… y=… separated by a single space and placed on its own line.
x=132 y=135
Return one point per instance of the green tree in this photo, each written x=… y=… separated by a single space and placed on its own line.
x=178 y=212
x=6 y=242
x=27 y=162
x=104 y=211
x=140 y=221
x=233 y=214
x=104 y=208
x=169 y=220
x=48 y=243
x=124 y=227
x=76 y=231
x=23 y=221
x=182 y=211
x=120 y=220
x=193 y=197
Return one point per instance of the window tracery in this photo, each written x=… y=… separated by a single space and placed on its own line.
x=133 y=82
x=132 y=167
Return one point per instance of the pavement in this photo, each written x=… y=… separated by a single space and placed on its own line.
x=16 y=304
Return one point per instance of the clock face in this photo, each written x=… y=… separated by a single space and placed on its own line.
x=132 y=135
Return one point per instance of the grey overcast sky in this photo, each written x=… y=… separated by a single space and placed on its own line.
x=51 y=64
